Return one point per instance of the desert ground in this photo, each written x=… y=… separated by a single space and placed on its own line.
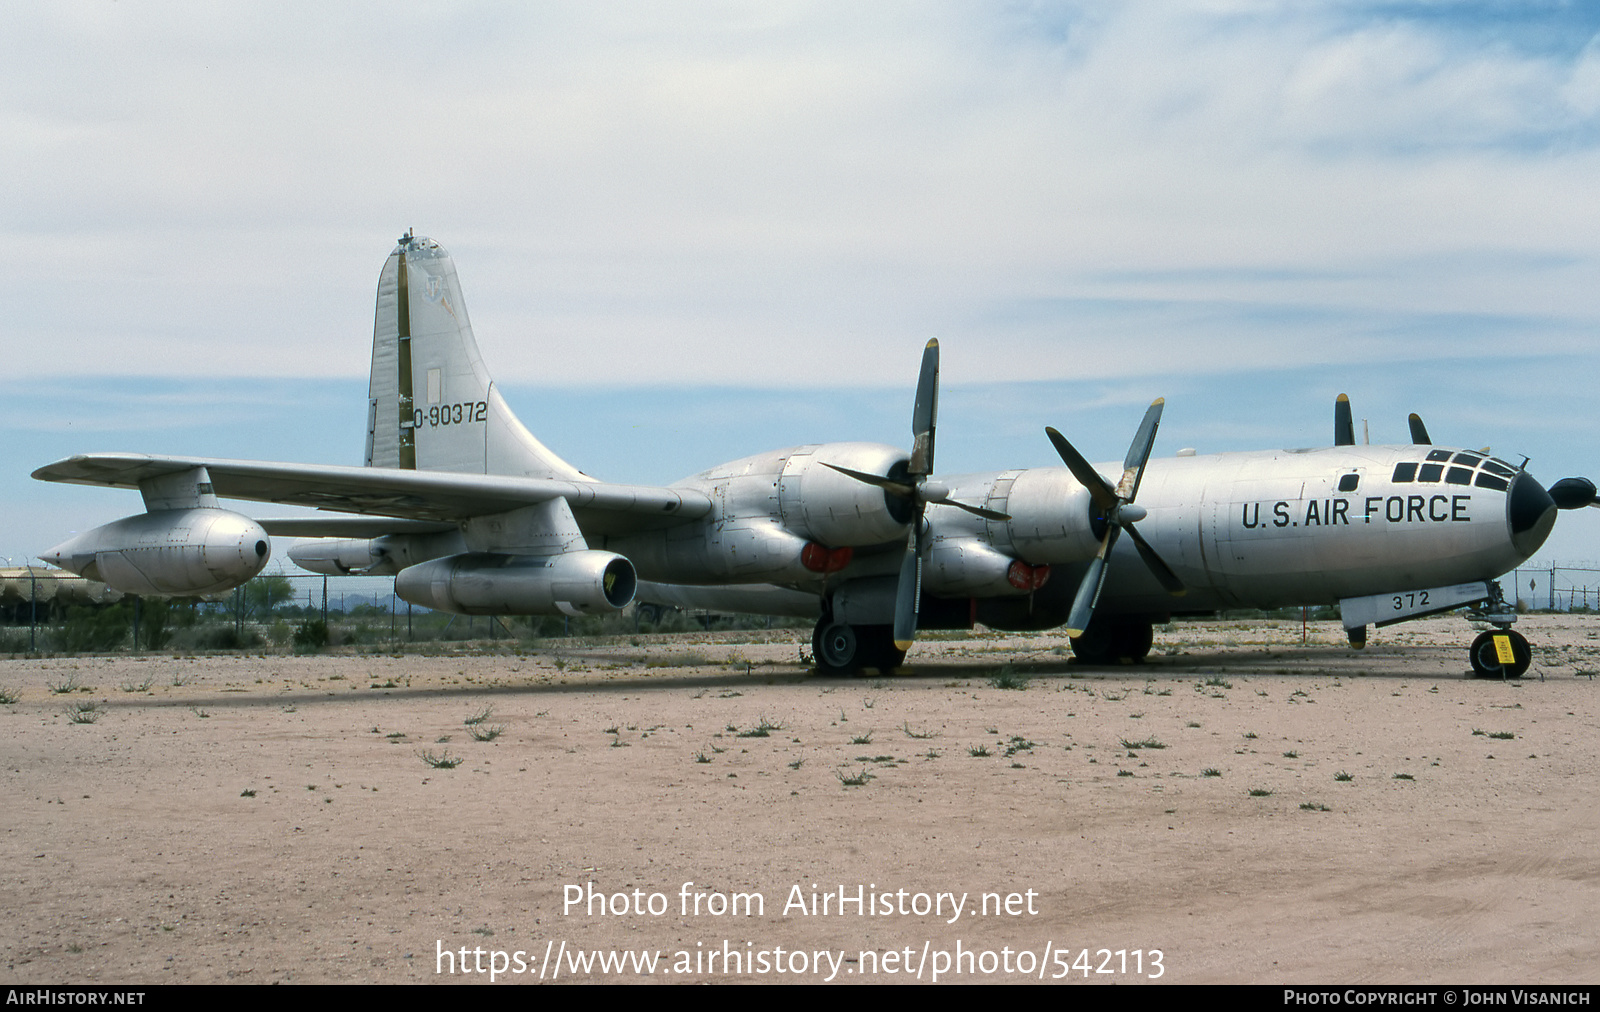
x=1254 y=807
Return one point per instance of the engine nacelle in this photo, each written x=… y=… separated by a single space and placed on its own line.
x=480 y=583
x=169 y=553
x=968 y=567
x=336 y=557
x=835 y=509
x=1052 y=517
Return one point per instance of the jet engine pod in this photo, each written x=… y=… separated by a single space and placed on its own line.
x=480 y=583
x=170 y=553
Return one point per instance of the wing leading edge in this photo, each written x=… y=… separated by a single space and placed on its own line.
x=438 y=497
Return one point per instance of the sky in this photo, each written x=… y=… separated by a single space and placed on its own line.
x=689 y=232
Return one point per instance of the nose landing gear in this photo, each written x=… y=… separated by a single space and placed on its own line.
x=1500 y=652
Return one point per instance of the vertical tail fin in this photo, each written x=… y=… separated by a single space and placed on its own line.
x=432 y=405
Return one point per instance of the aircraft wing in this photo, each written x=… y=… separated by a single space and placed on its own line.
x=437 y=497
x=324 y=526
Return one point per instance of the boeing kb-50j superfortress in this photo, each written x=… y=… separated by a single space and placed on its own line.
x=474 y=515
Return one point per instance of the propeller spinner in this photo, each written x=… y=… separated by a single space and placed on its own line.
x=1117 y=507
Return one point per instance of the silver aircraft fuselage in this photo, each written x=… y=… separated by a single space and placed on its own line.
x=1259 y=529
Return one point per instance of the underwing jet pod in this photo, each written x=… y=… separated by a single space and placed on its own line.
x=472 y=514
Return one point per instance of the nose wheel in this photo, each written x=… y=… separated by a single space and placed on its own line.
x=1500 y=653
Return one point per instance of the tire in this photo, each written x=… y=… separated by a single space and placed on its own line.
x=875 y=648
x=1120 y=639
x=1486 y=661
x=835 y=648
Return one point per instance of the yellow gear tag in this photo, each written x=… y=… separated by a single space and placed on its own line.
x=1502 y=650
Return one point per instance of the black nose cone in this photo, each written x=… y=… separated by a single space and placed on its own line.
x=1531 y=513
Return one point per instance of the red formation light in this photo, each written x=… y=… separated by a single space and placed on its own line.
x=1025 y=577
x=819 y=559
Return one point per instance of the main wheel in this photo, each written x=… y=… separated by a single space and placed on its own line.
x=835 y=647
x=1485 y=654
x=875 y=648
x=1121 y=639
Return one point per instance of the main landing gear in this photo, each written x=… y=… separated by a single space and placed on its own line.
x=841 y=649
x=1500 y=652
x=1114 y=639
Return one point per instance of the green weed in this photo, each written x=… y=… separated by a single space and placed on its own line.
x=440 y=761
x=85 y=712
x=1142 y=743
x=1008 y=678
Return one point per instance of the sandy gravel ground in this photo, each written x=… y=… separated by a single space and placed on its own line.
x=1313 y=814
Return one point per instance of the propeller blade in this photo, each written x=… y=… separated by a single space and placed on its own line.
x=1574 y=493
x=1344 y=429
x=1088 y=594
x=890 y=485
x=1158 y=566
x=1139 y=451
x=1100 y=490
x=906 y=594
x=1419 y=432
x=925 y=413
x=977 y=511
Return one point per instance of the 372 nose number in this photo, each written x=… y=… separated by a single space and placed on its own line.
x=1415 y=599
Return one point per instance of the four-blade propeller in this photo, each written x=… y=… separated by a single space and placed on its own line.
x=916 y=486
x=1118 y=511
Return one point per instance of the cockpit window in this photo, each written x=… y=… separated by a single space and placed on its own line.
x=1463 y=468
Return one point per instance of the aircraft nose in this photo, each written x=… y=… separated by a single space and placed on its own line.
x=1531 y=513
